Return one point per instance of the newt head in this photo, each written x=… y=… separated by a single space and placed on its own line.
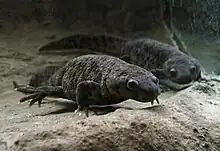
x=182 y=69
x=141 y=86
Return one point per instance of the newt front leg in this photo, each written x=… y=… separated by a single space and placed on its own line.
x=88 y=93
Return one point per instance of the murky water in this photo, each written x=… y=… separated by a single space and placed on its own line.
x=207 y=51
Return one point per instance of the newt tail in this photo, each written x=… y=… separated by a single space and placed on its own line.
x=100 y=43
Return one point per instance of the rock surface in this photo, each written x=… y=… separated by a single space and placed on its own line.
x=186 y=120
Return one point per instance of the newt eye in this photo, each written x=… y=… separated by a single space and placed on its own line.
x=173 y=73
x=132 y=84
x=192 y=69
x=155 y=80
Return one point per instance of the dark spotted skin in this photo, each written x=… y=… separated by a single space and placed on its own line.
x=96 y=80
x=152 y=55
